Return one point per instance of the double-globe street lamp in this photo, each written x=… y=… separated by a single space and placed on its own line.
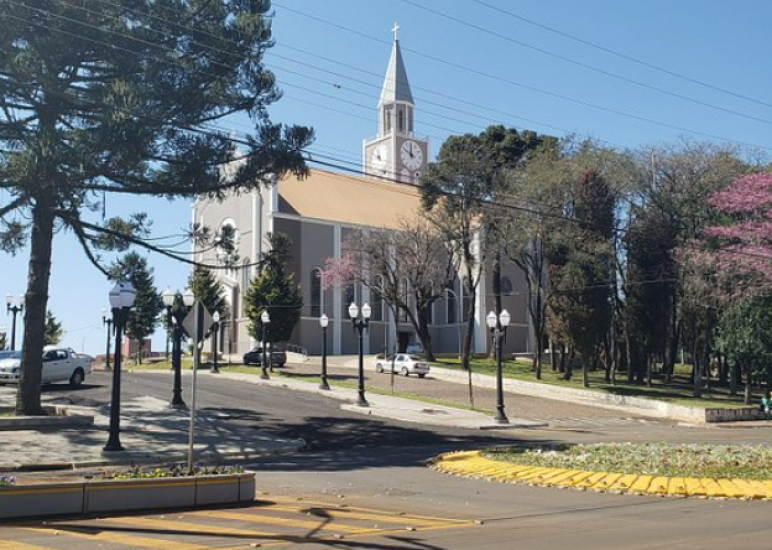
x=107 y=320
x=13 y=307
x=121 y=301
x=265 y=320
x=215 y=331
x=360 y=324
x=177 y=316
x=323 y=322
x=498 y=325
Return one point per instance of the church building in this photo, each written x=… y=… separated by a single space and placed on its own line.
x=318 y=212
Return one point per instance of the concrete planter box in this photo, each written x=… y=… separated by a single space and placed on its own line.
x=97 y=497
x=58 y=418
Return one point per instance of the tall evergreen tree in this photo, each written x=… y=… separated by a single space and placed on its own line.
x=274 y=290
x=115 y=98
x=208 y=289
x=54 y=330
x=148 y=305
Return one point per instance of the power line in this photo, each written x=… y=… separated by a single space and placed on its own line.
x=585 y=65
x=620 y=54
x=517 y=84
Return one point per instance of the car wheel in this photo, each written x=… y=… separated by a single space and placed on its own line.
x=404 y=372
x=379 y=368
x=421 y=375
x=77 y=377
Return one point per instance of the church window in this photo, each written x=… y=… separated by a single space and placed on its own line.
x=377 y=299
x=465 y=299
x=245 y=274
x=401 y=120
x=316 y=292
x=387 y=120
x=349 y=295
x=450 y=304
x=405 y=298
x=410 y=120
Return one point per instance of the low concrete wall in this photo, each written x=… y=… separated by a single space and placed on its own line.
x=733 y=415
x=96 y=497
x=58 y=417
x=637 y=405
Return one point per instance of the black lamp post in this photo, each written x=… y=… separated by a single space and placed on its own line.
x=14 y=309
x=108 y=322
x=323 y=322
x=265 y=319
x=498 y=325
x=215 y=332
x=360 y=324
x=121 y=301
x=176 y=316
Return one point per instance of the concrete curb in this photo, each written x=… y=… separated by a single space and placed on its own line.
x=60 y=419
x=472 y=464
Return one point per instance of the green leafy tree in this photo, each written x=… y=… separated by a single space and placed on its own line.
x=458 y=191
x=274 y=290
x=148 y=305
x=747 y=340
x=106 y=98
x=209 y=290
x=53 y=334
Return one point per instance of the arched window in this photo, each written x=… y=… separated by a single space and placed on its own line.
x=400 y=120
x=246 y=275
x=451 y=304
x=349 y=295
x=316 y=292
x=465 y=299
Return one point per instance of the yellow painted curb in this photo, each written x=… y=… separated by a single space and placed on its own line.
x=473 y=465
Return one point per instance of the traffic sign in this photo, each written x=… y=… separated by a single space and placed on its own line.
x=205 y=321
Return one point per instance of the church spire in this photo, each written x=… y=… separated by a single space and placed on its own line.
x=395 y=85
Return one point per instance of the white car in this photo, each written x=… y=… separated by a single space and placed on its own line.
x=403 y=364
x=59 y=365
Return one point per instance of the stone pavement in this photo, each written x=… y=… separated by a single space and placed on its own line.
x=150 y=431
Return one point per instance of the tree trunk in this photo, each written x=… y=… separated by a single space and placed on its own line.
x=425 y=336
x=36 y=304
x=649 y=360
x=735 y=374
x=747 y=398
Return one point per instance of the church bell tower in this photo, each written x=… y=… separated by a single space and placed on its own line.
x=395 y=153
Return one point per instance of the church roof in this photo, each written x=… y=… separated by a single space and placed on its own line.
x=395 y=85
x=347 y=199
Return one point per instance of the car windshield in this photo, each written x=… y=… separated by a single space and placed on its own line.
x=416 y=358
x=10 y=355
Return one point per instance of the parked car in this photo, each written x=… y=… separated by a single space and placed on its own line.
x=414 y=348
x=255 y=357
x=403 y=364
x=59 y=365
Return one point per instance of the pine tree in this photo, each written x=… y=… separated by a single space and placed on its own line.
x=53 y=334
x=208 y=290
x=148 y=305
x=274 y=290
x=103 y=99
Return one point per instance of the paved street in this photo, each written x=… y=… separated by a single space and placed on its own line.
x=363 y=483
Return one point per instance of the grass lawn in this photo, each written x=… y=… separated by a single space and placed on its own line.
x=678 y=392
x=656 y=458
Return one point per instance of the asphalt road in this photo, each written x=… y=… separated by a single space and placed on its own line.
x=364 y=484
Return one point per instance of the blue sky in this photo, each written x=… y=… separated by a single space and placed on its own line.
x=469 y=69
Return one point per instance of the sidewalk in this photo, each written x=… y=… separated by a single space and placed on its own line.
x=151 y=433
x=395 y=408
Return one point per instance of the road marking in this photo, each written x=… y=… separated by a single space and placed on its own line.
x=378 y=514
x=101 y=535
x=305 y=524
x=13 y=545
x=191 y=528
x=347 y=513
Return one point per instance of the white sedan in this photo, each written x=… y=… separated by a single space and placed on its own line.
x=404 y=364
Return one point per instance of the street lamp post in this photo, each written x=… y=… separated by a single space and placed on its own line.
x=176 y=316
x=121 y=301
x=265 y=319
x=360 y=324
x=215 y=332
x=323 y=322
x=14 y=308
x=498 y=325
x=108 y=321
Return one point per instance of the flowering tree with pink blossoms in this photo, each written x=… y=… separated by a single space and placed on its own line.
x=738 y=251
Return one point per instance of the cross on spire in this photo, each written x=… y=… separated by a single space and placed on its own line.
x=394 y=29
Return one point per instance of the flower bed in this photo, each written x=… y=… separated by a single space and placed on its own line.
x=646 y=469
x=126 y=491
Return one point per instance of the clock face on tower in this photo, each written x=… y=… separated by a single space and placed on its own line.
x=379 y=157
x=411 y=154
